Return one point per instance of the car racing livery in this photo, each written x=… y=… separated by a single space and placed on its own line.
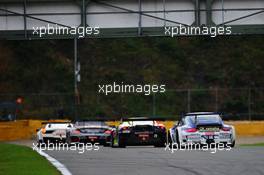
x=85 y=131
x=141 y=131
x=202 y=128
x=53 y=132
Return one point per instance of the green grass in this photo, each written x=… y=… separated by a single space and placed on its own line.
x=21 y=160
x=254 y=144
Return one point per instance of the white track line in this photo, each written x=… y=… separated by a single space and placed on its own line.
x=56 y=163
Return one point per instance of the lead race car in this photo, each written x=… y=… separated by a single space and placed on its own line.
x=202 y=128
x=141 y=131
x=53 y=132
x=90 y=131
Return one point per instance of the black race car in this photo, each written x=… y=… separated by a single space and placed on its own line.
x=141 y=131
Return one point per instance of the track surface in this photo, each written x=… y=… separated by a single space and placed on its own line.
x=157 y=161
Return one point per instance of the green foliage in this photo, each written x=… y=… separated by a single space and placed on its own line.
x=179 y=63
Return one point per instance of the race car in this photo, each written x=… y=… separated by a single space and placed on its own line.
x=202 y=128
x=53 y=132
x=141 y=131
x=87 y=131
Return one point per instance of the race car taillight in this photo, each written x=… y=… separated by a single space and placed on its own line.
x=161 y=127
x=125 y=128
x=77 y=131
x=75 y=139
x=43 y=130
x=225 y=129
x=190 y=130
x=108 y=132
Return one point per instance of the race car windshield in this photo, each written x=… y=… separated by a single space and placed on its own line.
x=133 y=123
x=92 y=130
x=57 y=125
x=90 y=123
x=206 y=119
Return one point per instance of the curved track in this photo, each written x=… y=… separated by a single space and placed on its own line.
x=157 y=161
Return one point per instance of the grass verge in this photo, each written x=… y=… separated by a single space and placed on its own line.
x=16 y=159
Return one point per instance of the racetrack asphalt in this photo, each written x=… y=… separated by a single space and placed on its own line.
x=157 y=161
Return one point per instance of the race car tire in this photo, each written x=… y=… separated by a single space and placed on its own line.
x=121 y=144
x=160 y=144
x=112 y=142
x=169 y=139
x=177 y=138
x=233 y=144
x=39 y=143
x=68 y=141
x=105 y=144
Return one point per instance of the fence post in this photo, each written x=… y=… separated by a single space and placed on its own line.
x=189 y=100
x=153 y=104
x=216 y=99
x=76 y=72
x=249 y=104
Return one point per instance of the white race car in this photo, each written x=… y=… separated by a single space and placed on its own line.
x=53 y=132
x=202 y=128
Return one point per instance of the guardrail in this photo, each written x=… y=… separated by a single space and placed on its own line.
x=26 y=129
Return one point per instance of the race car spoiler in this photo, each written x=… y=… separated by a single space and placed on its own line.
x=44 y=123
x=92 y=120
x=143 y=119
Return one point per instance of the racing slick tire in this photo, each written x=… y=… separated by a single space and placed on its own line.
x=233 y=144
x=121 y=144
x=160 y=144
x=68 y=141
x=112 y=143
x=169 y=141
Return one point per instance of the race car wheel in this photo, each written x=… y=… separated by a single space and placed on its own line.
x=68 y=141
x=233 y=144
x=177 y=137
x=112 y=142
x=39 y=143
x=160 y=144
x=121 y=144
x=169 y=139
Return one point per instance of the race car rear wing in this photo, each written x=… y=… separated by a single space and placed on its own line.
x=44 y=123
x=143 y=119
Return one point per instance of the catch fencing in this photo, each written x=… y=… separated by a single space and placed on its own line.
x=235 y=104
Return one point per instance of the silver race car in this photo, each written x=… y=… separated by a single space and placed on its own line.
x=53 y=132
x=202 y=128
x=86 y=131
